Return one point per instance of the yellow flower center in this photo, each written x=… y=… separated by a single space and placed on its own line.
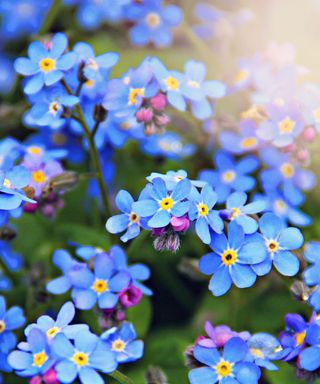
x=166 y=203
x=153 y=20
x=256 y=352
x=125 y=125
x=255 y=112
x=134 y=95
x=229 y=257
x=35 y=150
x=93 y=64
x=286 y=125
x=7 y=183
x=80 y=358
x=39 y=177
x=89 y=83
x=100 y=286
x=134 y=218
x=272 y=246
x=299 y=337
x=203 y=209
x=2 y=326
x=39 y=359
x=235 y=213
x=172 y=83
x=52 y=332
x=287 y=169
x=228 y=176
x=118 y=345
x=248 y=142
x=47 y=65
x=280 y=205
x=316 y=115
x=224 y=368
x=241 y=76
x=54 y=108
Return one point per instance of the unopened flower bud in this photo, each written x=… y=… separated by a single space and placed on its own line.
x=30 y=207
x=130 y=296
x=51 y=377
x=309 y=134
x=180 y=224
x=162 y=120
x=144 y=115
x=99 y=113
x=155 y=375
x=158 y=102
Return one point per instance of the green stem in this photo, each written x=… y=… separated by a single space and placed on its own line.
x=95 y=128
x=198 y=44
x=51 y=16
x=93 y=152
x=121 y=378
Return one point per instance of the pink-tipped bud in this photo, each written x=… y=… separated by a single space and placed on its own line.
x=35 y=380
x=30 y=207
x=162 y=120
x=144 y=115
x=180 y=224
x=309 y=134
x=158 y=102
x=303 y=155
x=130 y=296
x=51 y=377
x=290 y=148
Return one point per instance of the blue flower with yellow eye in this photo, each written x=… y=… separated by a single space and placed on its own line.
x=100 y=286
x=49 y=107
x=231 y=260
x=278 y=241
x=201 y=211
x=153 y=22
x=62 y=324
x=169 y=145
x=123 y=344
x=171 y=83
x=35 y=356
x=129 y=221
x=284 y=172
x=95 y=67
x=124 y=96
x=12 y=183
x=293 y=339
x=162 y=204
x=309 y=358
x=230 y=176
x=239 y=211
x=82 y=358
x=240 y=142
x=265 y=348
x=10 y=319
x=196 y=89
x=228 y=366
x=46 y=64
x=285 y=207
x=284 y=124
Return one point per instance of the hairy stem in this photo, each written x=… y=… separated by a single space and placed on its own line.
x=93 y=153
x=121 y=378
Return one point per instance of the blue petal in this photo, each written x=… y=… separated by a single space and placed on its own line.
x=221 y=281
x=202 y=230
x=119 y=281
x=124 y=201
x=235 y=350
x=209 y=263
x=89 y=376
x=159 y=220
x=242 y=275
x=86 y=342
x=286 y=263
x=108 y=300
x=180 y=208
x=65 y=315
x=67 y=371
x=235 y=235
x=252 y=253
x=62 y=346
x=236 y=200
x=181 y=190
x=310 y=358
x=208 y=356
x=20 y=360
x=84 y=298
x=291 y=238
x=145 y=208
x=117 y=223
x=59 y=44
x=103 y=266
x=59 y=285
x=34 y=84
x=203 y=375
x=25 y=66
x=270 y=225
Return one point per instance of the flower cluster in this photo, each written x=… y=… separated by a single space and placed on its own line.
x=227 y=356
x=59 y=352
x=170 y=203
x=102 y=278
